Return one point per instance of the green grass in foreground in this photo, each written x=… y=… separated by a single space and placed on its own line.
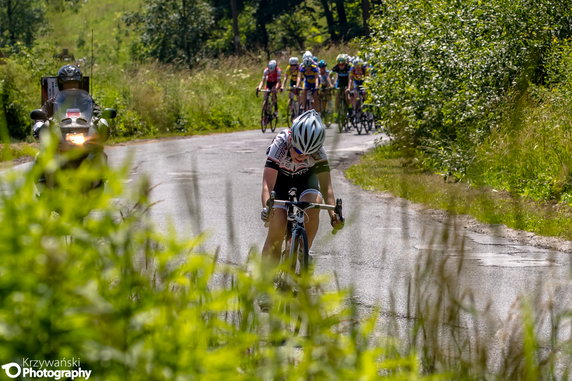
x=385 y=169
x=16 y=150
x=86 y=274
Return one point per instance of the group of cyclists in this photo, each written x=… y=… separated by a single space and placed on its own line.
x=296 y=160
x=307 y=79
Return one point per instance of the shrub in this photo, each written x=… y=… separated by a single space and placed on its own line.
x=444 y=68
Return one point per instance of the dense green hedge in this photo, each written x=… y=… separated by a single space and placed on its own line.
x=445 y=69
x=480 y=90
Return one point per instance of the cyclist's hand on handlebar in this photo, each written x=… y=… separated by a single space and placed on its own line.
x=336 y=222
x=265 y=215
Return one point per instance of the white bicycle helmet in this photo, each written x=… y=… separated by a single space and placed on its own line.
x=307 y=58
x=272 y=65
x=308 y=132
x=293 y=61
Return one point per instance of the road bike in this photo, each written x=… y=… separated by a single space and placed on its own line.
x=295 y=256
x=293 y=104
x=326 y=108
x=342 y=111
x=309 y=101
x=359 y=117
x=371 y=124
x=269 y=113
x=296 y=251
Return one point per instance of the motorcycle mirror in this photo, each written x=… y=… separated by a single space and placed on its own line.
x=109 y=113
x=38 y=114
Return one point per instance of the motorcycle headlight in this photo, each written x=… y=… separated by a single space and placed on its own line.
x=77 y=139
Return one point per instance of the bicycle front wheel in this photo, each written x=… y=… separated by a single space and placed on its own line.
x=299 y=252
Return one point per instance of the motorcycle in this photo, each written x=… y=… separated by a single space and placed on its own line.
x=79 y=134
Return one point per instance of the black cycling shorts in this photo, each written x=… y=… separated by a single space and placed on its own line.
x=304 y=184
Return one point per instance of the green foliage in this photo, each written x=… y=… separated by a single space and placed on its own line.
x=174 y=31
x=444 y=68
x=20 y=22
x=154 y=99
x=112 y=37
x=221 y=39
x=15 y=96
x=389 y=169
x=86 y=275
x=530 y=153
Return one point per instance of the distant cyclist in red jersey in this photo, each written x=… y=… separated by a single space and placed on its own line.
x=271 y=76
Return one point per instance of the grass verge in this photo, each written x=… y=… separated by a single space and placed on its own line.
x=386 y=169
x=16 y=151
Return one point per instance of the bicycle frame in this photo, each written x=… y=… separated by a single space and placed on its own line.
x=310 y=99
x=268 y=118
x=293 y=104
x=358 y=119
x=296 y=227
x=342 y=110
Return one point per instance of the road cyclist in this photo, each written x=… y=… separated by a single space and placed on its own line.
x=290 y=79
x=342 y=71
x=296 y=159
x=269 y=84
x=324 y=93
x=309 y=75
x=357 y=93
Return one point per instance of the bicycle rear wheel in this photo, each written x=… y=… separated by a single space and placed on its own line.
x=273 y=123
x=341 y=110
x=264 y=116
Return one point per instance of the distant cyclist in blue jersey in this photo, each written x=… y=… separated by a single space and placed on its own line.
x=342 y=69
x=325 y=83
x=310 y=74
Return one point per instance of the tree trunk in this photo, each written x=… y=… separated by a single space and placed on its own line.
x=342 y=18
x=10 y=14
x=330 y=20
x=365 y=15
x=261 y=21
x=184 y=17
x=235 y=30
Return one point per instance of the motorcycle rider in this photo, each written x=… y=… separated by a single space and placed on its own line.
x=86 y=146
x=70 y=77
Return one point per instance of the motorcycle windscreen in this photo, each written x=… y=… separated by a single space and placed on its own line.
x=73 y=108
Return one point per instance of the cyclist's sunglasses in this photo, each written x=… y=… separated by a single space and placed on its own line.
x=298 y=151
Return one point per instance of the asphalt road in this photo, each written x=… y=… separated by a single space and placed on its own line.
x=390 y=253
x=212 y=184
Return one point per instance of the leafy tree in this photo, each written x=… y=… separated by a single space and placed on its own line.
x=63 y=5
x=174 y=31
x=20 y=22
x=444 y=68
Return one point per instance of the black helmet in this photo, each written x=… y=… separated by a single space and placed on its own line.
x=68 y=73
